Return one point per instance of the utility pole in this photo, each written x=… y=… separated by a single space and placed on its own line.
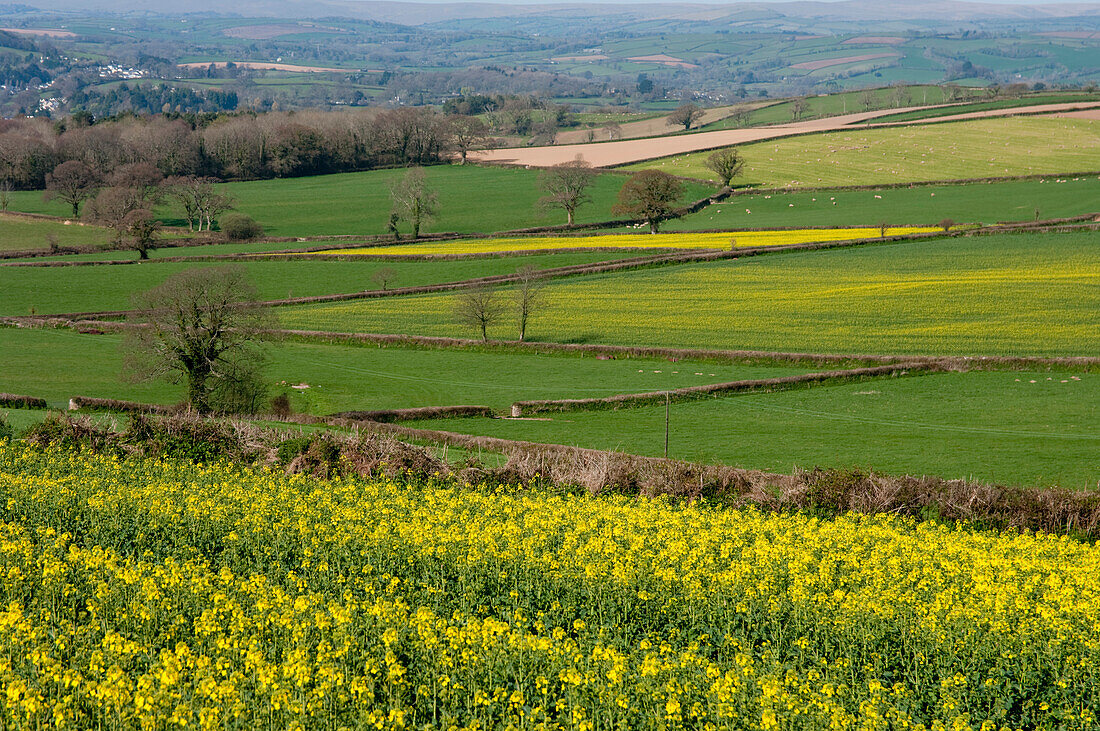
x=666 y=424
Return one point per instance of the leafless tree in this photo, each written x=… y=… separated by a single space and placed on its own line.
x=468 y=133
x=867 y=100
x=614 y=130
x=201 y=327
x=649 y=195
x=6 y=188
x=413 y=201
x=528 y=296
x=685 y=115
x=726 y=164
x=798 y=108
x=566 y=185
x=479 y=308
x=384 y=277
x=110 y=208
x=73 y=182
x=946 y=224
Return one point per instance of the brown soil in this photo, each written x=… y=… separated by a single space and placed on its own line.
x=655 y=126
x=827 y=62
x=624 y=152
x=46 y=32
x=264 y=66
x=1083 y=114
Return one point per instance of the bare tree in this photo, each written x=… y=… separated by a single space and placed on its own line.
x=685 y=115
x=798 y=108
x=726 y=164
x=567 y=186
x=384 y=277
x=110 y=208
x=413 y=200
x=528 y=296
x=6 y=188
x=73 y=182
x=649 y=195
x=141 y=228
x=201 y=327
x=614 y=130
x=468 y=133
x=946 y=224
x=479 y=308
x=867 y=100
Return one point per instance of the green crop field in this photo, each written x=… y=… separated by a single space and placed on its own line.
x=472 y=199
x=1021 y=294
x=52 y=290
x=971 y=203
x=948 y=151
x=1002 y=427
x=59 y=364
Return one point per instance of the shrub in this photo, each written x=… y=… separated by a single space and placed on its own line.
x=239 y=227
x=280 y=406
x=6 y=432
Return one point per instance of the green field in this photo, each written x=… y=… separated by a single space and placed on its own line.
x=472 y=199
x=997 y=427
x=1024 y=101
x=58 y=364
x=948 y=151
x=973 y=203
x=51 y=290
x=1020 y=294
x=18 y=233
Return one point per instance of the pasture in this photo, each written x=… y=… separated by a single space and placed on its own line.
x=1019 y=294
x=947 y=151
x=57 y=364
x=360 y=203
x=1007 y=428
x=1016 y=200
x=19 y=233
x=95 y=288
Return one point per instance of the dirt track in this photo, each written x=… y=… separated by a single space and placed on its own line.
x=623 y=152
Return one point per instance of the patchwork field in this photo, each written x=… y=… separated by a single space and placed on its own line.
x=109 y=287
x=725 y=240
x=1002 y=427
x=1021 y=294
x=1053 y=197
x=953 y=150
x=59 y=364
x=359 y=203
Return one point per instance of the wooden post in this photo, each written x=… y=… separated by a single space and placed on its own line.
x=666 y=424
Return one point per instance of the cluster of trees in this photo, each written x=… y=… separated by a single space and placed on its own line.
x=124 y=199
x=484 y=307
x=237 y=146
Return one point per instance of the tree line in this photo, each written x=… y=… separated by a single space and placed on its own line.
x=241 y=146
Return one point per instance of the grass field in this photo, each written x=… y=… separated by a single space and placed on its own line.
x=19 y=232
x=982 y=106
x=985 y=203
x=954 y=150
x=58 y=364
x=1021 y=294
x=472 y=199
x=743 y=239
x=999 y=427
x=220 y=595
x=52 y=290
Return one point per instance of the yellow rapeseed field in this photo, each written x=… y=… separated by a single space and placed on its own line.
x=155 y=593
x=723 y=240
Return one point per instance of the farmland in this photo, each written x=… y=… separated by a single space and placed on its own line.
x=109 y=287
x=608 y=604
x=1029 y=428
x=742 y=239
x=953 y=150
x=1016 y=200
x=1032 y=294
x=59 y=364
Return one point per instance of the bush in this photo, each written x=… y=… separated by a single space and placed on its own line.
x=6 y=432
x=280 y=406
x=239 y=227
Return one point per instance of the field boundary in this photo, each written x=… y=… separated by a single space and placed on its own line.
x=765 y=385
x=416 y=413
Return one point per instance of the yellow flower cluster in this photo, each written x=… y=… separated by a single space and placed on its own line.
x=724 y=240
x=154 y=594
